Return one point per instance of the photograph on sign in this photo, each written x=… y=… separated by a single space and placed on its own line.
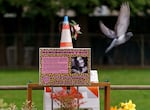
x=64 y=67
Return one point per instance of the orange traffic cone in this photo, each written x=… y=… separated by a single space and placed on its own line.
x=66 y=40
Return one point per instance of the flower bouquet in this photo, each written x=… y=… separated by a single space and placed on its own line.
x=75 y=29
x=67 y=100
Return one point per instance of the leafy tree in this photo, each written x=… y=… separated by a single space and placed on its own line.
x=136 y=5
x=48 y=8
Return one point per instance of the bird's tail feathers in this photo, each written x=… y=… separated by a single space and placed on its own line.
x=108 y=49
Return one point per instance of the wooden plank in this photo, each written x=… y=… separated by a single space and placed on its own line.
x=130 y=87
x=20 y=87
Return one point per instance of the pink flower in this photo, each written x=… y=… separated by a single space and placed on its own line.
x=75 y=29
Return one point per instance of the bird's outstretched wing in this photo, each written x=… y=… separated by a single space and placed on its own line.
x=123 y=20
x=106 y=31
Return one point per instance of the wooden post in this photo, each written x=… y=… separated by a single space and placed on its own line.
x=30 y=96
x=107 y=98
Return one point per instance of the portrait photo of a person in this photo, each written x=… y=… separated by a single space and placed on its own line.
x=79 y=65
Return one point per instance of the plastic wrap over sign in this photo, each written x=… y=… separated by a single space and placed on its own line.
x=90 y=95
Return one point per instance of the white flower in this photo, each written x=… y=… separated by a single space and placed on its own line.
x=77 y=27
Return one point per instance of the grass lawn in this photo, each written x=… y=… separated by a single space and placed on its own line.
x=128 y=77
x=115 y=76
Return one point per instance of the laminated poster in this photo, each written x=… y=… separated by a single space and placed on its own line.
x=64 y=67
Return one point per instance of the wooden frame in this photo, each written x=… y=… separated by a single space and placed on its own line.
x=101 y=85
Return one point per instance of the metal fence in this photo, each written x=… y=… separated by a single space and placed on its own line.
x=135 y=52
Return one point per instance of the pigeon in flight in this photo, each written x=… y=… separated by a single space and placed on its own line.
x=119 y=34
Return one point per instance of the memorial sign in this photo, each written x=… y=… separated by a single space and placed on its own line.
x=64 y=67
